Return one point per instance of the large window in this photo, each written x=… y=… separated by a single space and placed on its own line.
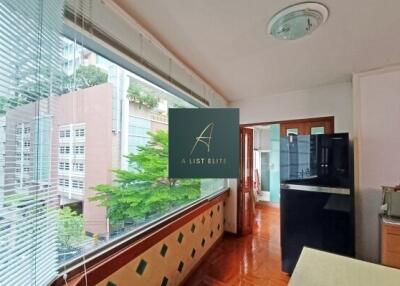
x=84 y=148
x=119 y=174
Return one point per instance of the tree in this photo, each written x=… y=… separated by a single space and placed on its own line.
x=146 y=190
x=70 y=228
x=142 y=95
x=87 y=76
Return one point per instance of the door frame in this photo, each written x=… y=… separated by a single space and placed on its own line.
x=242 y=186
x=302 y=120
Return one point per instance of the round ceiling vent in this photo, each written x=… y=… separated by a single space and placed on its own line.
x=297 y=21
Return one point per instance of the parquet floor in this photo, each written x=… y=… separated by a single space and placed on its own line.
x=249 y=261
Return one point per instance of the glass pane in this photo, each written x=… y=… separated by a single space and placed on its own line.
x=121 y=180
x=30 y=78
x=317 y=130
x=292 y=131
x=274 y=161
x=83 y=148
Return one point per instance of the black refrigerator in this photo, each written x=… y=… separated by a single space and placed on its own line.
x=317 y=198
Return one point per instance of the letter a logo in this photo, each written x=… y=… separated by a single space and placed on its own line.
x=203 y=138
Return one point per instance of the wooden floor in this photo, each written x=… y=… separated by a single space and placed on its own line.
x=251 y=260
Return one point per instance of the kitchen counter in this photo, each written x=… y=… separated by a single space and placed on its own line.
x=318 y=268
x=390 y=220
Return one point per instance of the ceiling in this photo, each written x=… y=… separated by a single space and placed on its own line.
x=227 y=44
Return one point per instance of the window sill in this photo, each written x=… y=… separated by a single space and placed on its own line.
x=108 y=258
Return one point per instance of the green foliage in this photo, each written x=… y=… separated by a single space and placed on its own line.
x=87 y=76
x=142 y=95
x=84 y=77
x=70 y=228
x=146 y=190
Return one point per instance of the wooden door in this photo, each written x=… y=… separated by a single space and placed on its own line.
x=323 y=125
x=246 y=198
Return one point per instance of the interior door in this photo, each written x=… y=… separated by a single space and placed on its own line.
x=246 y=200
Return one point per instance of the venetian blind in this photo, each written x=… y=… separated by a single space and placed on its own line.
x=30 y=47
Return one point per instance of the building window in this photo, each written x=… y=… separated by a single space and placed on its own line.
x=63 y=166
x=79 y=149
x=64 y=150
x=78 y=167
x=77 y=184
x=27 y=144
x=80 y=132
x=63 y=182
x=66 y=133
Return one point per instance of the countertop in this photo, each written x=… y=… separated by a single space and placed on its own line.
x=390 y=220
x=319 y=268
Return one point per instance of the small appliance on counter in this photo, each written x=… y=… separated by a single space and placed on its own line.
x=317 y=198
x=391 y=201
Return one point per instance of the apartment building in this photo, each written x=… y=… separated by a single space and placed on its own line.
x=76 y=155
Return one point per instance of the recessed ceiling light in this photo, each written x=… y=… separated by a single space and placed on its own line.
x=297 y=21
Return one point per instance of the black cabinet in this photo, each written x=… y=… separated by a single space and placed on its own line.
x=315 y=217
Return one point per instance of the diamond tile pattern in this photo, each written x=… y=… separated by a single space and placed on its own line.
x=164 y=250
x=193 y=253
x=180 y=237
x=164 y=282
x=141 y=267
x=170 y=260
x=180 y=266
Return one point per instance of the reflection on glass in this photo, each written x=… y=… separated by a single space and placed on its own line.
x=317 y=130
x=90 y=158
x=119 y=178
x=292 y=131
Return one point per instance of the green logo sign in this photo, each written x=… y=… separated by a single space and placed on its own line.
x=203 y=143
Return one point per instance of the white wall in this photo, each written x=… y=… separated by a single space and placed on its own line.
x=231 y=208
x=377 y=141
x=329 y=100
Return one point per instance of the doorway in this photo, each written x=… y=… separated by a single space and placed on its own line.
x=266 y=162
x=259 y=181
